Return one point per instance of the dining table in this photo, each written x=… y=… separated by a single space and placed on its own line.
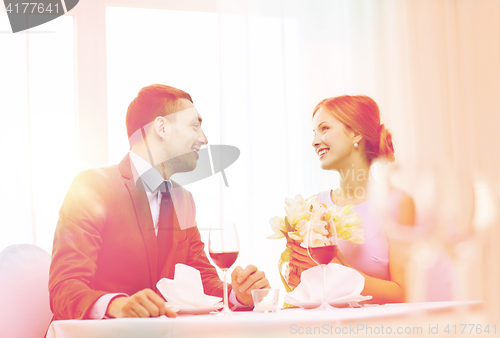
x=431 y=319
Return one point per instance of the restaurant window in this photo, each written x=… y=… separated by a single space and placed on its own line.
x=38 y=139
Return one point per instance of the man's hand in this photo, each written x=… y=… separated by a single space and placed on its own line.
x=243 y=281
x=145 y=303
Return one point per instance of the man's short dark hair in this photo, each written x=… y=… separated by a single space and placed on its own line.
x=151 y=102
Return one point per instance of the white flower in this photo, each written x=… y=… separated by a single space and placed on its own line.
x=302 y=214
x=296 y=209
x=319 y=227
x=314 y=229
x=348 y=224
x=315 y=239
x=319 y=211
x=300 y=229
x=278 y=226
x=312 y=202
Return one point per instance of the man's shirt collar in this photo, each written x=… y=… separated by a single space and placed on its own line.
x=149 y=175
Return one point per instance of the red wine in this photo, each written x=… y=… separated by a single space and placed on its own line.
x=224 y=260
x=323 y=254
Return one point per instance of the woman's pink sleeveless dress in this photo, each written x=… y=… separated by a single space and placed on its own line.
x=371 y=257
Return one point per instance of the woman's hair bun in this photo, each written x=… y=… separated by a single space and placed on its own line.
x=386 y=148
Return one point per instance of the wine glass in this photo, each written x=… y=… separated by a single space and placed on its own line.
x=224 y=248
x=322 y=253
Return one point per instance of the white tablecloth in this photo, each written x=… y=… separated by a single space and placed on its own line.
x=346 y=322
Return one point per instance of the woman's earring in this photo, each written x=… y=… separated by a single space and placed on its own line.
x=355 y=144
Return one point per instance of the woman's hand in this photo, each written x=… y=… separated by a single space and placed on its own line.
x=301 y=258
x=291 y=276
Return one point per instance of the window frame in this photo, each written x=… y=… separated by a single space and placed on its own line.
x=91 y=71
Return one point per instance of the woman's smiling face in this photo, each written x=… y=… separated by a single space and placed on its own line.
x=332 y=142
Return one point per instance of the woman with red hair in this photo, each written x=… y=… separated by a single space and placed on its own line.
x=348 y=137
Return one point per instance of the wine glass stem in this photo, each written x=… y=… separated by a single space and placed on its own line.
x=226 y=305
x=323 y=267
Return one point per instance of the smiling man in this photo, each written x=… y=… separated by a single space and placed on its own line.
x=124 y=227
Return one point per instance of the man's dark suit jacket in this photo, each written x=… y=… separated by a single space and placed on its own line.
x=105 y=242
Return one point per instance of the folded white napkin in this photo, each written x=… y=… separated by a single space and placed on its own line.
x=186 y=289
x=342 y=284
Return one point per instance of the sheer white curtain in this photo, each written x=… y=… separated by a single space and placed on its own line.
x=432 y=66
x=37 y=142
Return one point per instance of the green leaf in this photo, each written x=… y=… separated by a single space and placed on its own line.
x=285 y=234
x=274 y=236
x=288 y=226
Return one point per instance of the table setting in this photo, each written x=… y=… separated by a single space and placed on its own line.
x=201 y=315
x=328 y=300
x=184 y=294
x=343 y=289
x=286 y=322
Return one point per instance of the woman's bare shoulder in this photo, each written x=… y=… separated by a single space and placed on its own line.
x=406 y=206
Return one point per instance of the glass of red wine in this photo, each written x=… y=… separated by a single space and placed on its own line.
x=223 y=247
x=322 y=253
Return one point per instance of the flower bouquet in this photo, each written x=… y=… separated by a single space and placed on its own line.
x=299 y=214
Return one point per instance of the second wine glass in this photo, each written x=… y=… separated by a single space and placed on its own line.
x=223 y=247
x=322 y=253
